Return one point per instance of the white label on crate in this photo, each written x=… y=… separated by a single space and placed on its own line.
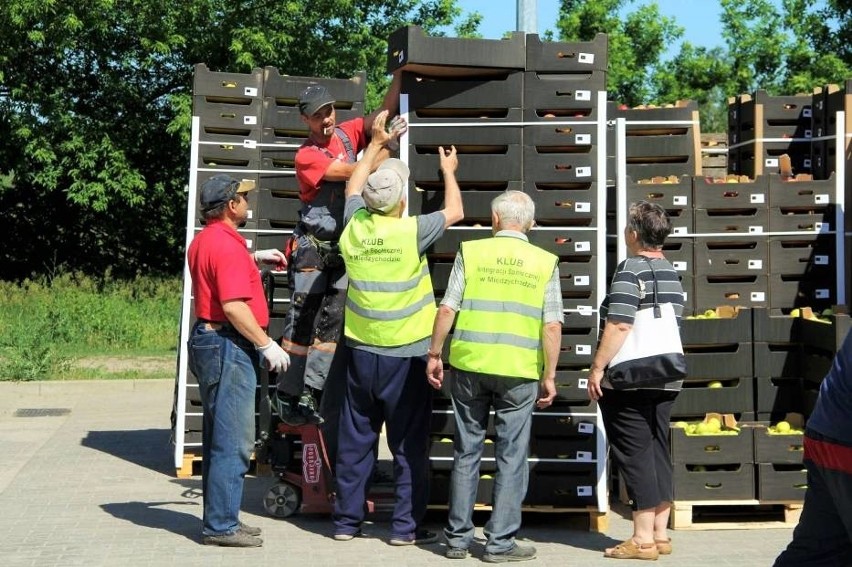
x=249 y=243
x=822 y=226
x=755 y=229
x=584 y=246
x=249 y=120
x=584 y=456
x=583 y=95
x=585 y=427
x=250 y=91
x=249 y=213
x=588 y=58
x=401 y=57
x=581 y=280
x=679 y=230
x=821 y=294
x=757 y=198
x=821 y=199
x=679 y=266
x=806 y=112
x=583 y=207
x=584 y=171
x=821 y=260
x=806 y=163
x=584 y=349
x=582 y=383
x=583 y=139
x=584 y=310
x=758 y=296
x=755 y=264
x=685 y=297
x=251 y=144
x=770 y=162
x=584 y=491
x=680 y=200
x=809 y=134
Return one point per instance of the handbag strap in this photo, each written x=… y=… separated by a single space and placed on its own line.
x=657 y=312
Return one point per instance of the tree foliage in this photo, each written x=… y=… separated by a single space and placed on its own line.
x=95 y=104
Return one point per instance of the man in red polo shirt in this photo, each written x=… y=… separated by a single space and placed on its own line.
x=225 y=347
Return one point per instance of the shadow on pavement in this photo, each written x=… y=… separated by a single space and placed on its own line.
x=150 y=515
x=149 y=448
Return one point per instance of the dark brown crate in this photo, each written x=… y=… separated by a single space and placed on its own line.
x=777 y=449
x=574 y=136
x=718 y=330
x=279 y=207
x=227 y=86
x=287 y=120
x=577 y=207
x=439 y=488
x=230 y=158
x=564 y=489
x=802 y=194
x=571 y=384
x=711 y=449
x=739 y=291
x=748 y=220
x=702 y=361
x=776 y=361
x=454 y=93
x=556 y=56
x=542 y=166
x=805 y=254
x=714 y=484
x=807 y=220
x=735 y=256
x=799 y=290
x=286 y=89
x=736 y=396
x=410 y=49
x=710 y=195
x=580 y=447
x=778 y=483
x=679 y=252
x=563 y=96
x=828 y=337
x=668 y=195
x=501 y=165
x=565 y=421
x=465 y=139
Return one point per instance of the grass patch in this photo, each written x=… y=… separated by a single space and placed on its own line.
x=48 y=326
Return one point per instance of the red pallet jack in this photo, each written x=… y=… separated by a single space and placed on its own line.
x=304 y=485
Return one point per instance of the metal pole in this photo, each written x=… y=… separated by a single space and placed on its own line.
x=526 y=16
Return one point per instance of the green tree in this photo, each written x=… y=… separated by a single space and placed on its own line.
x=95 y=104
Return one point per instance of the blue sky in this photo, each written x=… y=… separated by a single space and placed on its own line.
x=700 y=18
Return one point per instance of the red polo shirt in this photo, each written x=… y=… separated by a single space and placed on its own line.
x=312 y=160
x=223 y=270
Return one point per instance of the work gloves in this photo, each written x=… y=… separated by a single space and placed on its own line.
x=277 y=360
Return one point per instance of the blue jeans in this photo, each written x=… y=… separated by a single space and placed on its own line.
x=513 y=400
x=225 y=365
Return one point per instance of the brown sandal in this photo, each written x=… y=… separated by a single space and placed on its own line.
x=631 y=550
x=664 y=546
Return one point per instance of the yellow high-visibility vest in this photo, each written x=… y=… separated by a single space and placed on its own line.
x=390 y=301
x=499 y=326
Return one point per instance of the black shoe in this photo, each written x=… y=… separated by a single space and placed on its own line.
x=308 y=408
x=517 y=553
x=420 y=537
x=288 y=409
x=236 y=539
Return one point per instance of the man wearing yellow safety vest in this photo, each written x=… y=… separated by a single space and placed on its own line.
x=389 y=311
x=503 y=354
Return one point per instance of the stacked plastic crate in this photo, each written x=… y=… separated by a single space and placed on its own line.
x=528 y=118
x=227 y=108
x=762 y=128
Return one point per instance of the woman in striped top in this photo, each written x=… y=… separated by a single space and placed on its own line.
x=637 y=420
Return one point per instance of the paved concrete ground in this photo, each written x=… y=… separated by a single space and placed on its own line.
x=96 y=485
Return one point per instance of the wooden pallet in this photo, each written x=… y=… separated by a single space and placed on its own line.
x=734 y=515
x=598 y=521
x=191 y=466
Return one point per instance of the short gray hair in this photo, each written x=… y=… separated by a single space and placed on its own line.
x=651 y=223
x=515 y=208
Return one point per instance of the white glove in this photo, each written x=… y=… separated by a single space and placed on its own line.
x=397 y=128
x=277 y=360
x=271 y=256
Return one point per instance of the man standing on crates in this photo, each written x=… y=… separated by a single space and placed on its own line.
x=503 y=355
x=224 y=349
x=317 y=275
